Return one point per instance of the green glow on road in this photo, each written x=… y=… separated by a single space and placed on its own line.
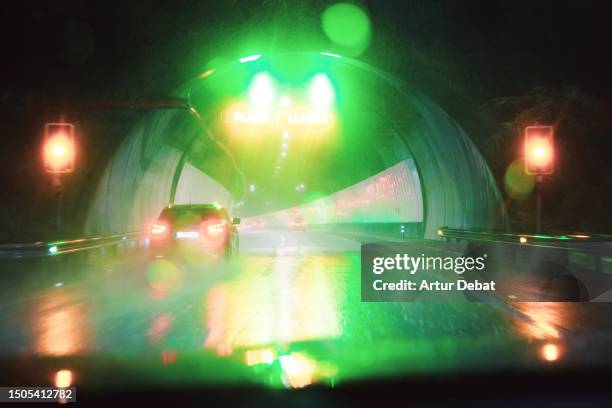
x=283 y=321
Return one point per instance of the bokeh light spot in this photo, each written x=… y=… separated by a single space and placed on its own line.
x=63 y=378
x=163 y=276
x=550 y=352
x=517 y=183
x=348 y=26
x=297 y=370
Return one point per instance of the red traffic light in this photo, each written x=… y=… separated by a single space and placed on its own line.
x=59 y=149
x=539 y=150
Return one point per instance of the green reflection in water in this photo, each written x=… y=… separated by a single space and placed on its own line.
x=299 y=320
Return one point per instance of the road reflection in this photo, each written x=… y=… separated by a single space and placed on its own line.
x=544 y=320
x=60 y=325
x=275 y=300
x=292 y=318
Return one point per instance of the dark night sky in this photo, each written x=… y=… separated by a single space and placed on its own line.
x=461 y=53
x=78 y=48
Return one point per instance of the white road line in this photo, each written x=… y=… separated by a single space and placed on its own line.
x=280 y=249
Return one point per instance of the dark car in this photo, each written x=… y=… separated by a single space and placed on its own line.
x=204 y=228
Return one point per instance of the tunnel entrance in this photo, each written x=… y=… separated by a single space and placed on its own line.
x=301 y=136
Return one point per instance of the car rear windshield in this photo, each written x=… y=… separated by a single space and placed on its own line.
x=189 y=215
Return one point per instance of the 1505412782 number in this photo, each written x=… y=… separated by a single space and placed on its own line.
x=33 y=394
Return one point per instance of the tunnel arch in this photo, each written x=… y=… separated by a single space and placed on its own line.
x=168 y=155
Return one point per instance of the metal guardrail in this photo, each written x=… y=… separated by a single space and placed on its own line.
x=43 y=249
x=596 y=246
x=587 y=258
x=533 y=239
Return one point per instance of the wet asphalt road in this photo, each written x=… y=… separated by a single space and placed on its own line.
x=291 y=297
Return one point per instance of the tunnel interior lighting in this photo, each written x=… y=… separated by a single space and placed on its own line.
x=261 y=91
x=250 y=58
x=206 y=73
x=321 y=91
x=284 y=101
x=329 y=54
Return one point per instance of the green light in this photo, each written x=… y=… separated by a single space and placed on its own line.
x=347 y=25
x=329 y=54
x=250 y=58
x=321 y=91
x=53 y=250
x=261 y=91
x=518 y=184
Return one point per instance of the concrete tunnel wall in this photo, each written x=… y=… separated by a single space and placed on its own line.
x=457 y=187
x=391 y=196
x=147 y=173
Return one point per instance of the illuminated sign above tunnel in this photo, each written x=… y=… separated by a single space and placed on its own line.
x=265 y=108
x=250 y=116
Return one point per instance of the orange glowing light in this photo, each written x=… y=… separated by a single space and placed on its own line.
x=63 y=378
x=297 y=370
x=259 y=356
x=59 y=152
x=206 y=73
x=539 y=150
x=168 y=357
x=544 y=319
x=158 y=229
x=550 y=352
x=60 y=326
x=257 y=320
x=59 y=149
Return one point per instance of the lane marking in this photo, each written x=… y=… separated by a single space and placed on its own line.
x=280 y=249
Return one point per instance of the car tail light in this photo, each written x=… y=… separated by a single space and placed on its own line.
x=215 y=227
x=214 y=232
x=159 y=230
